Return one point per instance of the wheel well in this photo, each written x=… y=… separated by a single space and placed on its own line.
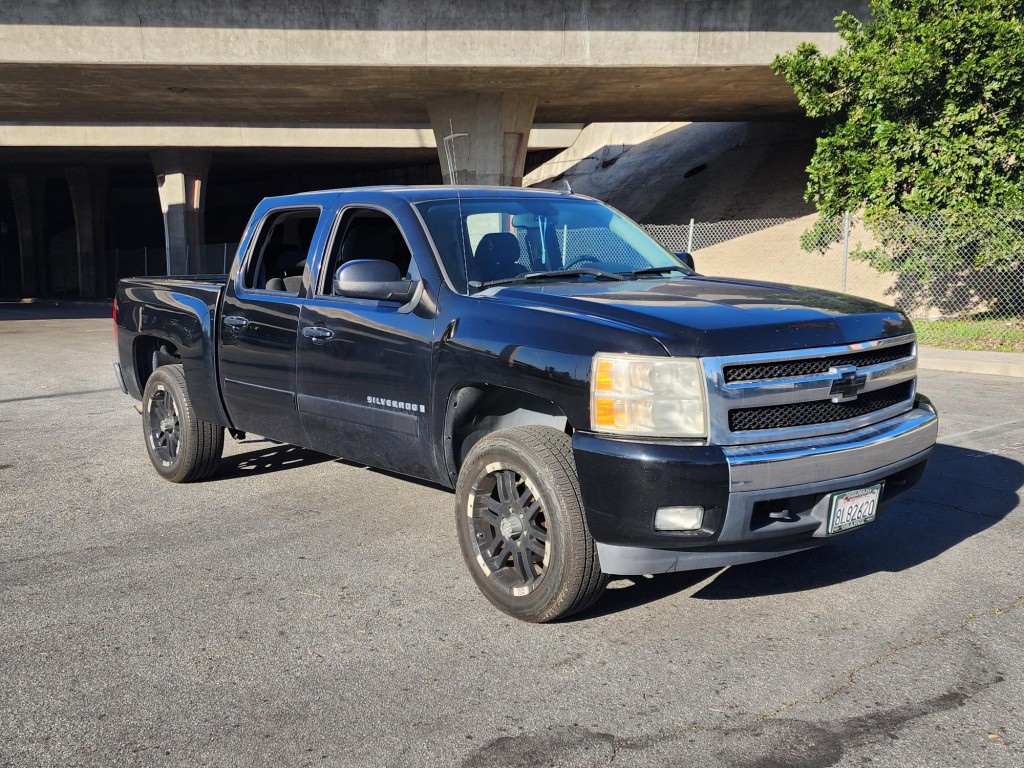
x=475 y=411
x=150 y=353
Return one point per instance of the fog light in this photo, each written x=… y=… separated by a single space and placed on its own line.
x=679 y=518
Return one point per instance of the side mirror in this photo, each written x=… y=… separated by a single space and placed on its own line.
x=687 y=259
x=374 y=279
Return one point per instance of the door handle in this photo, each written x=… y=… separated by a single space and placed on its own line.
x=317 y=332
x=234 y=321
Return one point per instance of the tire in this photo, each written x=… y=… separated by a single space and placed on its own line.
x=183 y=449
x=521 y=525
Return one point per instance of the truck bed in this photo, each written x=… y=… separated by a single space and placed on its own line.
x=181 y=311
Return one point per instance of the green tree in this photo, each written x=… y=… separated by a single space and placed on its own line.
x=923 y=107
x=923 y=114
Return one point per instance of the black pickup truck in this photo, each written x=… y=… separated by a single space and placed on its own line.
x=598 y=407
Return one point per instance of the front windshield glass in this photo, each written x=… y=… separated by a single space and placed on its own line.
x=498 y=240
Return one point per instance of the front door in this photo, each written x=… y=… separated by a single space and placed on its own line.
x=364 y=368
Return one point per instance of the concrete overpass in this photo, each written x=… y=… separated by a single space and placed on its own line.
x=89 y=88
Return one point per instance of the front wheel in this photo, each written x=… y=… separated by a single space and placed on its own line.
x=521 y=525
x=183 y=449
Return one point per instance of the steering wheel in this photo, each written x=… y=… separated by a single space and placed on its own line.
x=581 y=260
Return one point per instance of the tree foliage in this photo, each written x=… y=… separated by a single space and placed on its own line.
x=923 y=107
x=923 y=115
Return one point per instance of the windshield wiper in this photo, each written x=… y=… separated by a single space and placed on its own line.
x=598 y=274
x=658 y=270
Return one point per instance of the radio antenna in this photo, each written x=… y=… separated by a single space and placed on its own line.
x=449 y=153
x=453 y=174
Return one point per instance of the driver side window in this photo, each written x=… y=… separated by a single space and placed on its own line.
x=364 y=233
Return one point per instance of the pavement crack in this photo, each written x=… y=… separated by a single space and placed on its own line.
x=774 y=712
x=614 y=754
x=955 y=507
x=370 y=620
x=853 y=677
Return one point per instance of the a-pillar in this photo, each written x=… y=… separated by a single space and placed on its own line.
x=181 y=182
x=498 y=133
x=28 y=197
x=88 y=188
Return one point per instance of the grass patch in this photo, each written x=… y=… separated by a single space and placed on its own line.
x=998 y=334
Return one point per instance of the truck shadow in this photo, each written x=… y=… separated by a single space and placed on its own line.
x=269 y=457
x=272 y=456
x=963 y=492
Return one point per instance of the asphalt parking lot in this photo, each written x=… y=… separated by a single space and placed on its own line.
x=296 y=610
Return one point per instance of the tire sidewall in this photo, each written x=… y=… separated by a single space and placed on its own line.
x=536 y=605
x=163 y=380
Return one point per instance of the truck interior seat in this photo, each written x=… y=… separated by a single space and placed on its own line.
x=286 y=263
x=496 y=257
x=287 y=269
x=376 y=239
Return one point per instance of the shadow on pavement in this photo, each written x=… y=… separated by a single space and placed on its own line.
x=14 y=310
x=963 y=492
x=634 y=591
x=274 y=457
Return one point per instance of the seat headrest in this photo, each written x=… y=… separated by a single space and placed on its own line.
x=287 y=262
x=366 y=241
x=499 y=248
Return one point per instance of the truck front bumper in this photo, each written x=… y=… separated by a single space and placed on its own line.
x=744 y=491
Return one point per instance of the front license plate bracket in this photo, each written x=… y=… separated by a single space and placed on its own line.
x=852 y=509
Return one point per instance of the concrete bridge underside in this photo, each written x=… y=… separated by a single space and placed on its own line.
x=180 y=84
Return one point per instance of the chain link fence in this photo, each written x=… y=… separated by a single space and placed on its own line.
x=959 y=276
x=699 y=235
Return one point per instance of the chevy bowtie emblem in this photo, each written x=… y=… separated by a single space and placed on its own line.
x=847 y=385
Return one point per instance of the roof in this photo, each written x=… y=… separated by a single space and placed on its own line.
x=417 y=194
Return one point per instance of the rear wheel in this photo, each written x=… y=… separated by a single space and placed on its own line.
x=183 y=449
x=522 y=528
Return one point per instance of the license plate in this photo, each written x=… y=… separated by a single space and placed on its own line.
x=852 y=509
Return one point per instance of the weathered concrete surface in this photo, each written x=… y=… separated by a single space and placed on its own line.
x=473 y=33
x=495 y=130
x=319 y=136
x=87 y=186
x=181 y=183
x=382 y=62
x=970 y=361
x=679 y=171
x=300 y=611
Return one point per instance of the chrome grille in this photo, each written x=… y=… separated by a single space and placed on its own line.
x=818 y=411
x=809 y=392
x=786 y=368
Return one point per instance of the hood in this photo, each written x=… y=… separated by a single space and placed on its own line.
x=706 y=316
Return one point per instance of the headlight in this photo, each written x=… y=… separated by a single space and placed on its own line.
x=657 y=396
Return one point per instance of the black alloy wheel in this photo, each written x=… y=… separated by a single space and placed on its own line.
x=182 y=448
x=164 y=426
x=510 y=529
x=521 y=525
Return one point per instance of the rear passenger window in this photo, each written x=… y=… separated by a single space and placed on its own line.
x=278 y=257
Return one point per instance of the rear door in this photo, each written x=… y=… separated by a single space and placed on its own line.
x=364 y=367
x=259 y=319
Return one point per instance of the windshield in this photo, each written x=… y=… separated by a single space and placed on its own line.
x=487 y=241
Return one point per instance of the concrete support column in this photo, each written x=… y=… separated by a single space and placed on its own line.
x=498 y=125
x=28 y=196
x=181 y=181
x=88 y=188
